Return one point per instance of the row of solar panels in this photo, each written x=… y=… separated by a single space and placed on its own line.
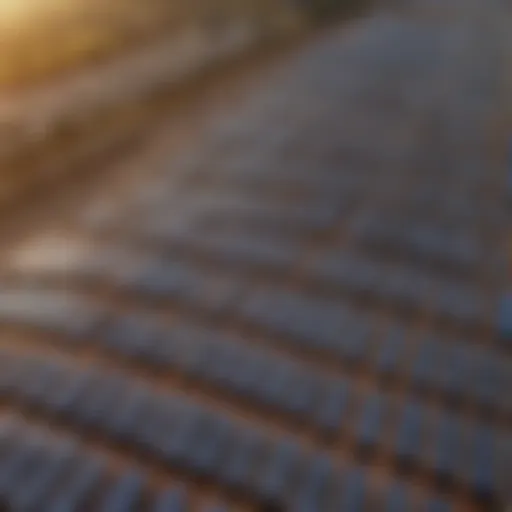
x=450 y=445
x=206 y=444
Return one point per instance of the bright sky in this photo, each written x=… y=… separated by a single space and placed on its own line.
x=13 y=12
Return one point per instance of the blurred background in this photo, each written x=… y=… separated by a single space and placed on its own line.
x=255 y=255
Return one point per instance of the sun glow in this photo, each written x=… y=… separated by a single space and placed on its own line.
x=12 y=11
x=19 y=12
